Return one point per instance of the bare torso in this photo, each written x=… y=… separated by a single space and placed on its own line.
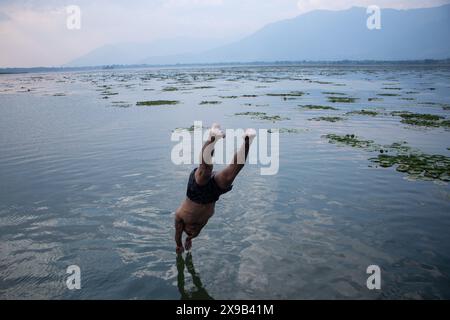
x=194 y=216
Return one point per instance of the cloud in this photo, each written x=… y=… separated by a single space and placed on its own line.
x=37 y=28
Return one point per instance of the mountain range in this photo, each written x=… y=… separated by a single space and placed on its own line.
x=320 y=35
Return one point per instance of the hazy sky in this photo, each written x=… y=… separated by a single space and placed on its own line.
x=34 y=32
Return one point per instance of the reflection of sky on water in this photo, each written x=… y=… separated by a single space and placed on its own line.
x=87 y=183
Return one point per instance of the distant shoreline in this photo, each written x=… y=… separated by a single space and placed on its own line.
x=344 y=63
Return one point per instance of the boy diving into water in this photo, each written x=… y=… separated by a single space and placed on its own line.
x=205 y=187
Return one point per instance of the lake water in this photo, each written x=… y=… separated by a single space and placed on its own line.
x=86 y=179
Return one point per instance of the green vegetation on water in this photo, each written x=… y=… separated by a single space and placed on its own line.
x=317 y=107
x=285 y=130
x=422 y=119
x=415 y=163
x=362 y=113
x=331 y=93
x=261 y=116
x=350 y=140
x=328 y=119
x=170 y=89
x=334 y=99
x=388 y=94
x=210 y=102
x=157 y=102
x=284 y=95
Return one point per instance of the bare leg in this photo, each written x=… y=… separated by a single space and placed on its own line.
x=204 y=171
x=225 y=178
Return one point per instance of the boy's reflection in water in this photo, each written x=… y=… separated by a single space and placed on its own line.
x=199 y=293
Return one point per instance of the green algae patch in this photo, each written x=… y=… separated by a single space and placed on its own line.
x=157 y=102
x=317 y=107
x=362 y=112
x=349 y=140
x=328 y=119
x=422 y=119
x=261 y=116
x=210 y=102
x=335 y=99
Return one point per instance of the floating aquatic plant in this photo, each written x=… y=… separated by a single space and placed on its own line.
x=285 y=130
x=328 y=119
x=387 y=94
x=290 y=94
x=422 y=119
x=210 y=102
x=170 y=89
x=334 y=99
x=317 y=107
x=261 y=116
x=363 y=112
x=350 y=140
x=157 y=102
x=417 y=164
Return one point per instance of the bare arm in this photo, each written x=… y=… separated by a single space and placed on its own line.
x=203 y=174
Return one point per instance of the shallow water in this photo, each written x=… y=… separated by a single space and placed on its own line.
x=86 y=181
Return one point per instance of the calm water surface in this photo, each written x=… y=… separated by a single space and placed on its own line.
x=88 y=180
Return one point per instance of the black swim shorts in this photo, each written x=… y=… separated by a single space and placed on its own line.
x=208 y=193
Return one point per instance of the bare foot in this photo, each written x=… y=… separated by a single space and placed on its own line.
x=250 y=134
x=216 y=132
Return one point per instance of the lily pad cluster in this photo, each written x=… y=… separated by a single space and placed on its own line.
x=418 y=166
